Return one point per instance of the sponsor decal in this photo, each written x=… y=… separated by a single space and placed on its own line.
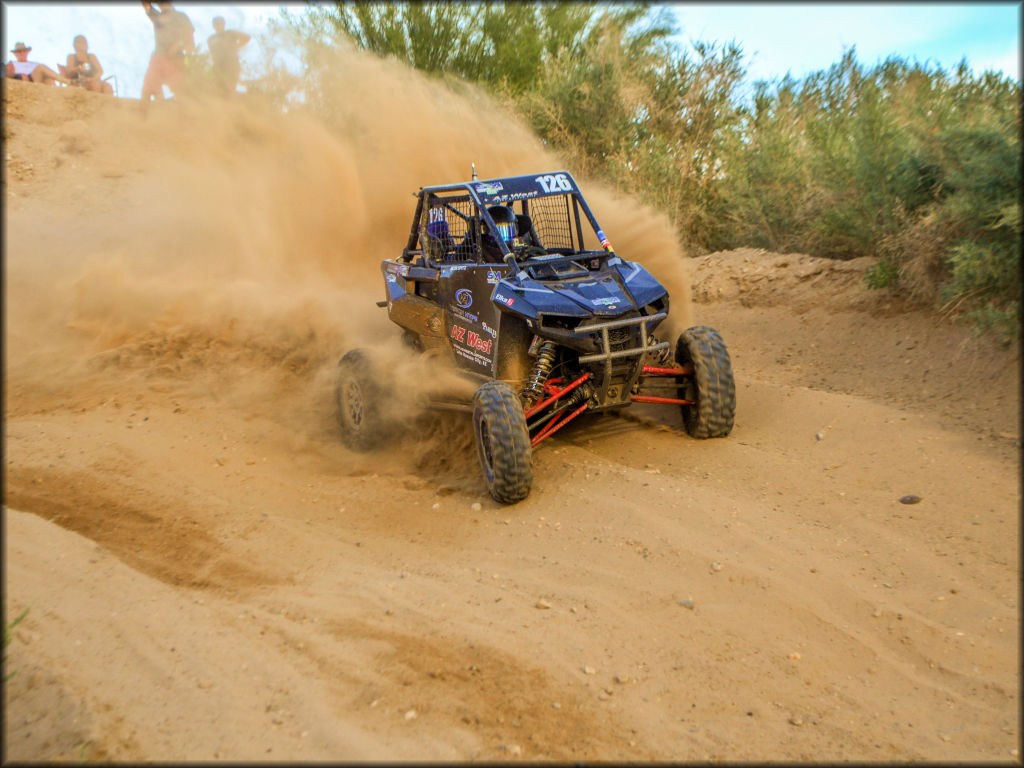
x=471 y=339
x=521 y=195
x=474 y=340
x=473 y=356
x=469 y=317
x=607 y=301
x=464 y=297
x=448 y=271
x=506 y=300
x=489 y=188
x=391 y=279
x=493 y=276
x=397 y=269
x=515 y=196
x=557 y=182
x=488 y=329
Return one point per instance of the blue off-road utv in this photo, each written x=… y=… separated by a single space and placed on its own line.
x=515 y=284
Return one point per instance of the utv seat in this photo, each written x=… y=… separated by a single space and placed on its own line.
x=526 y=230
x=438 y=242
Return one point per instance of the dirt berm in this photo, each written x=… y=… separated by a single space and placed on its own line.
x=210 y=575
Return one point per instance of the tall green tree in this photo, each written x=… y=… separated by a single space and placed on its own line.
x=498 y=44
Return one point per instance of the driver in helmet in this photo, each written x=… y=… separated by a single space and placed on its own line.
x=508 y=230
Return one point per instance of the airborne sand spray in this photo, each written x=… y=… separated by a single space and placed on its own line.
x=239 y=253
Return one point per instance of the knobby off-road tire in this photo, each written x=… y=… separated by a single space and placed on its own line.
x=502 y=442
x=358 y=399
x=711 y=388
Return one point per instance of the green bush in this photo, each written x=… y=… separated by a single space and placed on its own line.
x=8 y=638
x=882 y=274
x=904 y=162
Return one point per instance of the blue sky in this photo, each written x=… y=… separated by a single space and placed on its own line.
x=800 y=38
x=776 y=38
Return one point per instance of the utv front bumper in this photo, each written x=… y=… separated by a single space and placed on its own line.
x=623 y=344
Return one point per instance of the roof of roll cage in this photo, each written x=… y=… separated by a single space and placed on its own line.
x=506 y=189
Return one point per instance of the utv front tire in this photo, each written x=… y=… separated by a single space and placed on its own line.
x=502 y=442
x=358 y=399
x=711 y=387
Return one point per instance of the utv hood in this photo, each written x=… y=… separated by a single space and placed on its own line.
x=609 y=293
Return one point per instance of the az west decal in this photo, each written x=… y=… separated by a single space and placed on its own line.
x=471 y=339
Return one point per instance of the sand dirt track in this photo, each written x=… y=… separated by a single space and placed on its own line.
x=211 y=575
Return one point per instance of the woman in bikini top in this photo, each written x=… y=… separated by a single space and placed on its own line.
x=84 y=68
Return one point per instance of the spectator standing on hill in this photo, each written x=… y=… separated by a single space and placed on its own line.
x=175 y=37
x=83 y=68
x=23 y=69
x=224 y=47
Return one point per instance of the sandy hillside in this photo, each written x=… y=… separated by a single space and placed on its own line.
x=211 y=575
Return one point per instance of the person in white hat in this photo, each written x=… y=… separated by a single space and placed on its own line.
x=23 y=69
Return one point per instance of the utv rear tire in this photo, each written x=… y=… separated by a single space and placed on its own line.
x=502 y=442
x=711 y=387
x=358 y=399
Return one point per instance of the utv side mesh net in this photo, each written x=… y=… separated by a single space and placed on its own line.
x=448 y=229
x=553 y=221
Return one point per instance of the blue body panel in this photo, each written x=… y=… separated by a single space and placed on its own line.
x=618 y=289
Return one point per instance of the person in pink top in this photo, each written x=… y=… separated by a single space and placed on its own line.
x=23 y=69
x=175 y=38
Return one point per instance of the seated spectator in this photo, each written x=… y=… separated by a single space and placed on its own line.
x=83 y=68
x=23 y=69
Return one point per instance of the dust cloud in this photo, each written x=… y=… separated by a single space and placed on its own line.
x=236 y=253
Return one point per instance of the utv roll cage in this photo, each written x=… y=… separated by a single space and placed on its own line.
x=465 y=205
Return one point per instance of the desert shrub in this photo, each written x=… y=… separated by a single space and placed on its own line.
x=915 y=258
x=655 y=127
x=882 y=274
x=980 y=158
x=7 y=640
x=905 y=162
x=915 y=166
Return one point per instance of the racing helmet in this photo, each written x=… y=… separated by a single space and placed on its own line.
x=505 y=220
